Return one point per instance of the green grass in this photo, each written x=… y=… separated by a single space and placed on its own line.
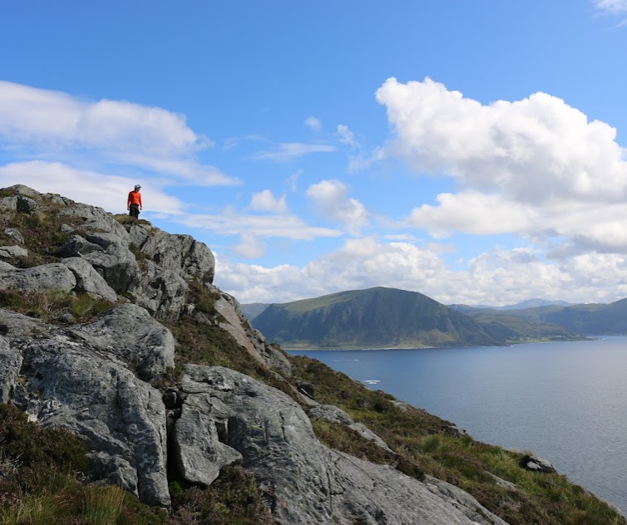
x=425 y=444
x=41 y=473
x=125 y=219
x=50 y=306
x=41 y=232
x=203 y=300
x=102 y=505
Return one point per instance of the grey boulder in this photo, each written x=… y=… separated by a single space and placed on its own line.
x=11 y=252
x=303 y=481
x=39 y=279
x=75 y=384
x=130 y=333
x=88 y=280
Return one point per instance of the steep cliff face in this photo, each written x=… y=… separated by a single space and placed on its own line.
x=83 y=347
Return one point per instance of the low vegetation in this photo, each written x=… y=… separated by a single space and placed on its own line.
x=233 y=499
x=427 y=444
x=42 y=480
x=125 y=219
x=41 y=231
x=51 y=306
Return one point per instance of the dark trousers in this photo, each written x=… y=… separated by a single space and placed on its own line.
x=134 y=211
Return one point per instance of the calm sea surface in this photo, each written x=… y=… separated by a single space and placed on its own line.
x=567 y=402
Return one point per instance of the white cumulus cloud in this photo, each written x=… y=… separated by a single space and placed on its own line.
x=533 y=150
x=250 y=247
x=537 y=166
x=498 y=277
x=471 y=212
x=331 y=199
x=266 y=201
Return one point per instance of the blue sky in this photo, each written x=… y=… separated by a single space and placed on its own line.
x=471 y=151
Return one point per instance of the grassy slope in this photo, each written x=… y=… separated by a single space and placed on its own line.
x=425 y=444
x=584 y=319
x=525 y=330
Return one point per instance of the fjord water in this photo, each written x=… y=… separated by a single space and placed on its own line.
x=566 y=401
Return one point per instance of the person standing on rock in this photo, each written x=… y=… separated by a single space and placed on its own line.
x=134 y=202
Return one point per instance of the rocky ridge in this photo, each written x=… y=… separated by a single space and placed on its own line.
x=102 y=378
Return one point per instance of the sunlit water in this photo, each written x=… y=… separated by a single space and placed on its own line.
x=567 y=402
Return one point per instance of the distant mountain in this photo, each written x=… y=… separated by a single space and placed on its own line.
x=252 y=310
x=529 y=303
x=582 y=319
x=389 y=318
x=534 y=303
x=609 y=319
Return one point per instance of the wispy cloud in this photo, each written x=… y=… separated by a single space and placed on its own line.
x=313 y=123
x=288 y=151
x=292 y=180
x=95 y=188
x=346 y=136
x=612 y=6
x=250 y=247
x=49 y=124
x=233 y=142
x=231 y=222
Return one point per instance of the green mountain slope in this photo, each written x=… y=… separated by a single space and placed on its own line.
x=583 y=319
x=523 y=330
x=252 y=310
x=591 y=318
x=373 y=318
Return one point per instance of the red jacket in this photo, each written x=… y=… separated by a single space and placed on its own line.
x=134 y=197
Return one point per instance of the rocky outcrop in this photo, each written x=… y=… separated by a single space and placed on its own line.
x=65 y=380
x=233 y=321
x=303 y=481
x=55 y=276
x=130 y=333
x=536 y=464
x=88 y=280
x=99 y=379
x=11 y=252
